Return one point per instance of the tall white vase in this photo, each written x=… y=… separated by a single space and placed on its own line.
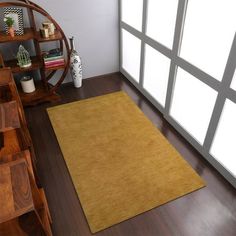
x=75 y=65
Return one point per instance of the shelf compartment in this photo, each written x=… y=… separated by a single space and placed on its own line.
x=36 y=64
x=55 y=37
x=28 y=35
x=41 y=94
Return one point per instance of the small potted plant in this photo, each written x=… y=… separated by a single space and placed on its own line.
x=9 y=22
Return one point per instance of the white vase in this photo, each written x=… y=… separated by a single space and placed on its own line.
x=75 y=65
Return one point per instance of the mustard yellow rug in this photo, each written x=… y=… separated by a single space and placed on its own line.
x=120 y=164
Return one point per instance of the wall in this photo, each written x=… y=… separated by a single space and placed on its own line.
x=94 y=24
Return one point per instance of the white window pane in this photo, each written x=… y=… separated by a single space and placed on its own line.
x=161 y=20
x=131 y=52
x=208 y=34
x=132 y=12
x=156 y=73
x=233 y=84
x=192 y=104
x=223 y=147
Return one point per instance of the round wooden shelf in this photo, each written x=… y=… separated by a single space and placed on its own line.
x=44 y=90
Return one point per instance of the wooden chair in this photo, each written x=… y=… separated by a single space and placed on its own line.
x=20 y=196
x=11 y=94
x=9 y=118
x=23 y=204
x=7 y=81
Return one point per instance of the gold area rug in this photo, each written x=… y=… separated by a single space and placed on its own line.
x=120 y=164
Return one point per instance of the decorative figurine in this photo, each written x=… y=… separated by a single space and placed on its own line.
x=50 y=26
x=44 y=32
x=23 y=58
x=75 y=65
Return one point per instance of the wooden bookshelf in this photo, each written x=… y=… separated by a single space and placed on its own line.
x=36 y=64
x=28 y=34
x=40 y=94
x=55 y=37
x=46 y=92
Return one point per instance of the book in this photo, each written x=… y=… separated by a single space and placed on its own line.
x=55 y=64
x=53 y=58
x=52 y=53
x=54 y=61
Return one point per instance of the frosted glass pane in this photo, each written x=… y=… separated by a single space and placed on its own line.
x=161 y=20
x=131 y=52
x=208 y=34
x=233 y=84
x=156 y=73
x=192 y=104
x=132 y=12
x=223 y=147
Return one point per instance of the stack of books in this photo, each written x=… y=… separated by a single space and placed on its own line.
x=53 y=58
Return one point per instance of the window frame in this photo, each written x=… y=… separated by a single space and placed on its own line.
x=222 y=87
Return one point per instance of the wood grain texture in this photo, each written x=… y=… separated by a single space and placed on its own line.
x=1 y=61
x=15 y=192
x=9 y=118
x=21 y=187
x=10 y=143
x=208 y=212
x=17 y=175
x=6 y=194
x=24 y=208
x=6 y=77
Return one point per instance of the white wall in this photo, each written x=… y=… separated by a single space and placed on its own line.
x=94 y=24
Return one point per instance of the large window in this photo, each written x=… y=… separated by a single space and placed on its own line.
x=193 y=103
x=233 y=85
x=156 y=74
x=131 y=54
x=182 y=55
x=208 y=34
x=223 y=147
x=131 y=13
x=161 y=20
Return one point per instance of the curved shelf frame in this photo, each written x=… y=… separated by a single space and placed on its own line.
x=63 y=41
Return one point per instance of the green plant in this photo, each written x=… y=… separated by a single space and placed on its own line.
x=9 y=21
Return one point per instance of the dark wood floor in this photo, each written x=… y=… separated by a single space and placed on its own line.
x=210 y=211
